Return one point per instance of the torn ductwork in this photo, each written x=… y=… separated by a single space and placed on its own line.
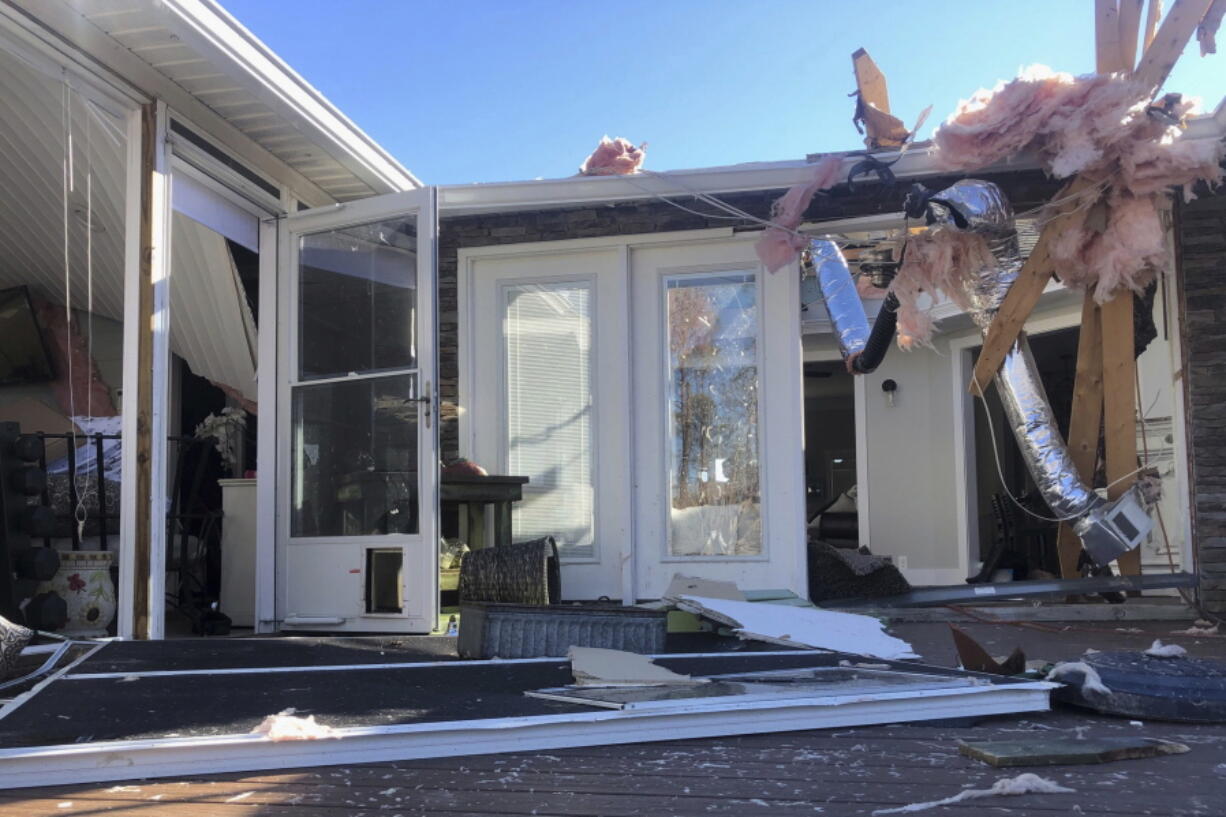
x=1107 y=529
x=863 y=349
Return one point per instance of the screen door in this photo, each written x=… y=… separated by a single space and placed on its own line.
x=358 y=471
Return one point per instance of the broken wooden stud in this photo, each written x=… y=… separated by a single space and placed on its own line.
x=1119 y=406
x=1024 y=294
x=881 y=128
x=1108 y=54
x=1161 y=55
x=1153 y=14
x=1085 y=422
x=1130 y=27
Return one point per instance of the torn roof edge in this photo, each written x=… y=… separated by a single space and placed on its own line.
x=477 y=197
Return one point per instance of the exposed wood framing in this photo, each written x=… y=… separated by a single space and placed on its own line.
x=1153 y=13
x=1024 y=294
x=1085 y=422
x=144 y=357
x=1107 y=49
x=1130 y=27
x=1119 y=406
x=1160 y=57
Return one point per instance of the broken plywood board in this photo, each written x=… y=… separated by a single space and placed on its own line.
x=1060 y=751
x=802 y=627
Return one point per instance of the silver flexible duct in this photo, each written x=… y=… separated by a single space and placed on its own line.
x=839 y=294
x=1106 y=529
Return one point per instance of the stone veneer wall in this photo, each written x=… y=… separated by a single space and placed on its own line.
x=1201 y=228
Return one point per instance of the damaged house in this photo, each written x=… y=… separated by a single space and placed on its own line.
x=256 y=377
x=640 y=365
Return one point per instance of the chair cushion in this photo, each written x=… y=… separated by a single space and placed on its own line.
x=13 y=639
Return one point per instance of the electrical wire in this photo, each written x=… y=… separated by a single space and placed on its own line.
x=1001 y=474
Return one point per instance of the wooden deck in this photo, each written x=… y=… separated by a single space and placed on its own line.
x=836 y=772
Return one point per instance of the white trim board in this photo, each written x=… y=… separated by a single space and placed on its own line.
x=174 y=757
x=102 y=676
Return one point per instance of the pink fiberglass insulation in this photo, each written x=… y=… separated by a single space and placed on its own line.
x=1127 y=253
x=1071 y=123
x=288 y=726
x=779 y=244
x=614 y=157
x=1100 y=126
x=937 y=261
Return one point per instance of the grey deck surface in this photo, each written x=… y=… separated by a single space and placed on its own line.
x=830 y=772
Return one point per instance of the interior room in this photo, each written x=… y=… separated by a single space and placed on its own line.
x=62 y=232
x=63 y=228
x=830 y=452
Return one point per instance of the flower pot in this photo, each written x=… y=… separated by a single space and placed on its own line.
x=84 y=582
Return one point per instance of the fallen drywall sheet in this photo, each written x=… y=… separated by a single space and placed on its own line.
x=595 y=666
x=802 y=627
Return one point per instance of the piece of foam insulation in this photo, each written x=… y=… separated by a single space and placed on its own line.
x=285 y=725
x=1028 y=783
x=1160 y=650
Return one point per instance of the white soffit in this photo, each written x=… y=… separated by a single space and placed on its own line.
x=209 y=56
x=32 y=150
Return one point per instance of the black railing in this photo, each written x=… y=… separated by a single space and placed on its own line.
x=103 y=515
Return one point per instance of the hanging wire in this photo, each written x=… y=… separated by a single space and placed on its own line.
x=987 y=413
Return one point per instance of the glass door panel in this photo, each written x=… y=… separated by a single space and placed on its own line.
x=548 y=375
x=357 y=300
x=359 y=450
x=353 y=464
x=714 y=497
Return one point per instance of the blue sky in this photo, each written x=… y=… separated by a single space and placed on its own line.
x=477 y=91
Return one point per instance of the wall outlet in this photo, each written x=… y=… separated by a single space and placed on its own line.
x=900 y=562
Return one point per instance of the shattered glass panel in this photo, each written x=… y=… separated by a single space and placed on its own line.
x=712 y=445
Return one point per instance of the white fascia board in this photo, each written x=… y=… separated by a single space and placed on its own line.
x=181 y=757
x=210 y=29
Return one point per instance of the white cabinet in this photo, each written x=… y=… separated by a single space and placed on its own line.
x=238 y=541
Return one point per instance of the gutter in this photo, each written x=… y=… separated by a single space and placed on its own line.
x=919 y=161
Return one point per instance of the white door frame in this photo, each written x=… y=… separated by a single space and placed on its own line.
x=860 y=398
x=420 y=550
x=621 y=336
x=966 y=487
x=601 y=270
